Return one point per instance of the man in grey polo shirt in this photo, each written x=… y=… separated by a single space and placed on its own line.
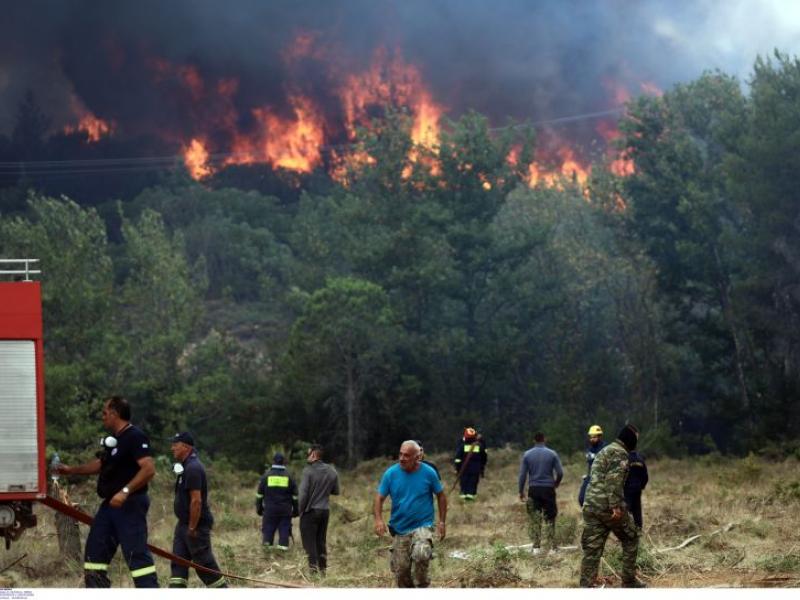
x=318 y=482
x=542 y=469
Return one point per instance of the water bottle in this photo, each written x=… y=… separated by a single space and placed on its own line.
x=53 y=466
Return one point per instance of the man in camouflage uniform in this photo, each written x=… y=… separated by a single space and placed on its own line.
x=604 y=510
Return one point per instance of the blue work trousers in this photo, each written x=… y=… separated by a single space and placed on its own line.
x=127 y=527
x=270 y=524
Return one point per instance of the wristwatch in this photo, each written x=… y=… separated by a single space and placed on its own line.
x=126 y=490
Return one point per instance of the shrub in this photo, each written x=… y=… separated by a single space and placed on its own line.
x=491 y=569
x=786 y=492
x=566 y=530
x=757 y=527
x=646 y=561
x=780 y=563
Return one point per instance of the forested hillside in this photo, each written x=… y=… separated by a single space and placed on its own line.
x=424 y=289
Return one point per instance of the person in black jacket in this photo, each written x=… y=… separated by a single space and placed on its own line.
x=276 y=502
x=634 y=484
x=470 y=463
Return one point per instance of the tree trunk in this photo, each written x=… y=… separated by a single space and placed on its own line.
x=727 y=312
x=350 y=400
x=69 y=537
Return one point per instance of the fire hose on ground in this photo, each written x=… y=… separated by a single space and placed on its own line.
x=82 y=517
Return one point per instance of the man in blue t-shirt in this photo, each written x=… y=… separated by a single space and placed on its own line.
x=411 y=485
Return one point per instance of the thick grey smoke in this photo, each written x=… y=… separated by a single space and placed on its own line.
x=531 y=60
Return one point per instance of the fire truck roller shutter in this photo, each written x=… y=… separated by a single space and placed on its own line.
x=18 y=422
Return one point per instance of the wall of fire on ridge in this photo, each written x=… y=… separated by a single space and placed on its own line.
x=223 y=130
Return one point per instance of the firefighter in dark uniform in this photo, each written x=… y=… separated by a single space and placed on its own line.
x=470 y=463
x=125 y=466
x=596 y=444
x=192 y=538
x=276 y=502
x=634 y=484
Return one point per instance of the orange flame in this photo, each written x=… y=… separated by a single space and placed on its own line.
x=620 y=163
x=345 y=165
x=390 y=81
x=195 y=157
x=293 y=143
x=553 y=171
x=295 y=139
x=569 y=170
x=425 y=129
x=93 y=127
x=622 y=166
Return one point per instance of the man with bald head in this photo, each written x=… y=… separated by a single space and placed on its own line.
x=411 y=484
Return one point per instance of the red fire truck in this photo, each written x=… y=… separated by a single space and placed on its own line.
x=23 y=476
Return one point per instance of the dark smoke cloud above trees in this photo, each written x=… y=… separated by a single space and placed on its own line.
x=527 y=60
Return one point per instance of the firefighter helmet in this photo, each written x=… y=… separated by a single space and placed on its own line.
x=595 y=430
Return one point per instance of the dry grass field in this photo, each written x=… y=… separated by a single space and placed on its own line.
x=746 y=512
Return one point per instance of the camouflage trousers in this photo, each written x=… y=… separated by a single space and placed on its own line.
x=596 y=527
x=411 y=558
x=542 y=508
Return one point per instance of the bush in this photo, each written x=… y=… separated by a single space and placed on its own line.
x=778 y=451
x=566 y=530
x=646 y=561
x=491 y=569
x=786 y=492
x=746 y=471
x=780 y=563
x=659 y=442
x=756 y=527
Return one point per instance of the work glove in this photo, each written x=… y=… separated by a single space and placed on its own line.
x=259 y=507
x=295 y=509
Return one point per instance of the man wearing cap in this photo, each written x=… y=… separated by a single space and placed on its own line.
x=125 y=467
x=596 y=444
x=470 y=463
x=192 y=538
x=318 y=482
x=604 y=510
x=276 y=502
